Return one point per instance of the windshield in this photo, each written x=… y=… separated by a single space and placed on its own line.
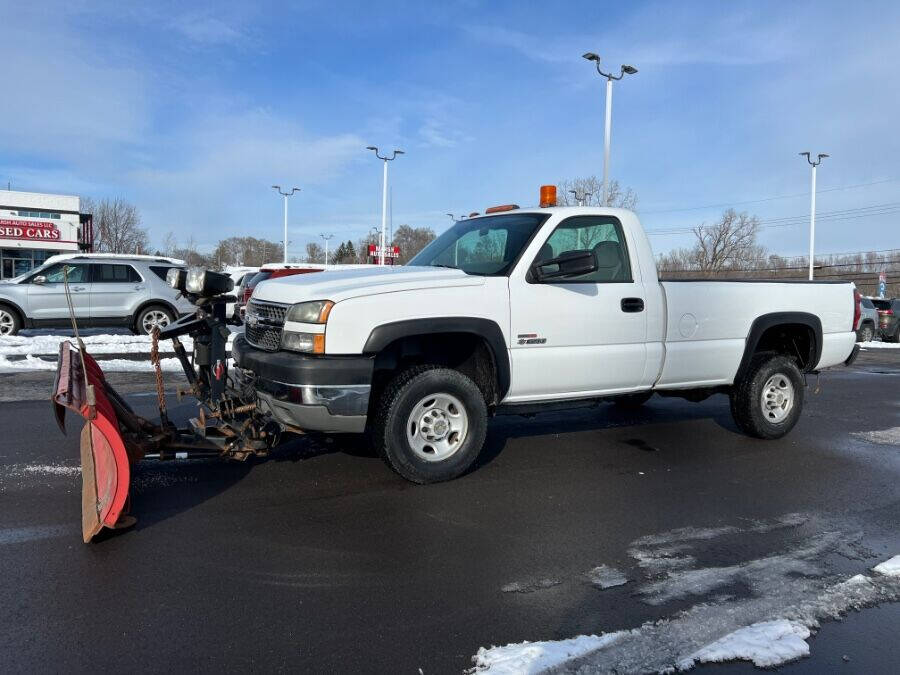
x=483 y=246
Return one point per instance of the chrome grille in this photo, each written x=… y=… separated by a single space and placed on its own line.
x=262 y=324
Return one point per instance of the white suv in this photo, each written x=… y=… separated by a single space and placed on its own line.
x=106 y=290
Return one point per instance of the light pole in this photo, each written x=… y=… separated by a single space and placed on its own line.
x=326 y=237
x=584 y=196
x=626 y=70
x=285 y=195
x=812 y=208
x=384 y=191
x=452 y=217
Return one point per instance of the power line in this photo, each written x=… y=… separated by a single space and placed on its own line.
x=769 y=199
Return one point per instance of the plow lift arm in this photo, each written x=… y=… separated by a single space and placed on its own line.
x=115 y=438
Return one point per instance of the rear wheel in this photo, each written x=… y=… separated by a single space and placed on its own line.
x=151 y=317
x=767 y=400
x=430 y=424
x=9 y=321
x=865 y=333
x=895 y=336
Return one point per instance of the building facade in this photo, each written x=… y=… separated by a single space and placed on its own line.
x=35 y=226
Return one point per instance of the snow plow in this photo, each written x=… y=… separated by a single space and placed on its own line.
x=114 y=438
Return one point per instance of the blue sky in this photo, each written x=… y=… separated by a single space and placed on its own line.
x=192 y=111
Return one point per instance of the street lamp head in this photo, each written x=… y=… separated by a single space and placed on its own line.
x=276 y=187
x=591 y=56
x=371 y=147
x=822 y=154
x=804 y=154
x=399 y=152
x=629 y=70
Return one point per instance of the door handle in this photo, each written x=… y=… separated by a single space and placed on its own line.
x=139 y=287
x=632 y=304
x=77 y=288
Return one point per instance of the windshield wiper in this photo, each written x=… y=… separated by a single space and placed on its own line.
x=449 y=267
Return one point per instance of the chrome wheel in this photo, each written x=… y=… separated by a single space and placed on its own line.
x=777 y=398
x=154 y=318
x=7 y=322
x=437 y=427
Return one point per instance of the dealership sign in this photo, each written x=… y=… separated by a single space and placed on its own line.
x=28 y=230
x=389 y=251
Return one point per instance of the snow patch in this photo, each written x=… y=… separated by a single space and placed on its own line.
x=530 y=586
x=537 y=657
x=18 y=345
x=890 y=568
x=883 y=437
x=33 y=363
x=767 y=644
x=879 y=345
x=606 y=577
x=52 y=469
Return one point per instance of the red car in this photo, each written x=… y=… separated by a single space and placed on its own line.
x=271 y=272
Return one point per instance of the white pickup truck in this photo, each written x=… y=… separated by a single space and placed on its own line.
x=523 y=310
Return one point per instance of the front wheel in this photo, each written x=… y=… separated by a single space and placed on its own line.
x=767 y=399
x=430 y=424
x=9 y=321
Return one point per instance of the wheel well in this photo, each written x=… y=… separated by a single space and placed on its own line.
x=15 y=309
x=467 y=353
x=795 y=340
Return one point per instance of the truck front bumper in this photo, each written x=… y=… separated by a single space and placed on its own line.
x=310 y=393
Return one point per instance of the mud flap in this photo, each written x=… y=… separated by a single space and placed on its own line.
x=105 y=465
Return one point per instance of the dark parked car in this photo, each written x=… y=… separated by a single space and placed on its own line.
x=888 y=318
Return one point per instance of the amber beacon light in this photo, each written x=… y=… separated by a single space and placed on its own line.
x=548 y=195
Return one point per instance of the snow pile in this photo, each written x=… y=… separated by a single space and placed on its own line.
x=19 y=345
x=767 y=644
x=537 y=657
x=884 y=437
x=33 y=363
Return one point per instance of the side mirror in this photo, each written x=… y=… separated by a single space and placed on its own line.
x=39 y=279
x=569 y=264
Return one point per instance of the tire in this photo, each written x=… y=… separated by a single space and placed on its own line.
x=768 y=375
x=631 y=401
x=10 y=322
x=865 y=333
x=416 y=417
x=151 y=316
x=895 y=337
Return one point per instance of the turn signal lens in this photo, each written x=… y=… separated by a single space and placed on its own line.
x=319 y=343
x=548 y=195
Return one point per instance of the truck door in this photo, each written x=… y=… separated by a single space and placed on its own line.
x=579 y=336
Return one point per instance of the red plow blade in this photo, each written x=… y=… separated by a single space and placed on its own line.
x=105 y=464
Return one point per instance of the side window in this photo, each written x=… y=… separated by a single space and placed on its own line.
x=55 y=274
x=602 y=236
x=112 y=274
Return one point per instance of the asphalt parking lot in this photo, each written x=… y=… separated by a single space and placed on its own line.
x=321 y=559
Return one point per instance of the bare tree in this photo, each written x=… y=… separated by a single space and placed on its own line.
x=590 y=189
x=170 y=243
x=411 y=240
x=314 y=253
x=727 y=245
x=117 y=227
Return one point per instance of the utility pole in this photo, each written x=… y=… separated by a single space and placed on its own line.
x=384 y=193
x=285 y=195
x=326 y=237
x=607 y=132
x=812 y=208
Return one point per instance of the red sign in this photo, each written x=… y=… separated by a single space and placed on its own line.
x=28 y=229
x=389 y=251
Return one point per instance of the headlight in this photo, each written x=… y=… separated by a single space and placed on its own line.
x=310 y=312
x=303 y=342
x=175 y=277
x=206 y=282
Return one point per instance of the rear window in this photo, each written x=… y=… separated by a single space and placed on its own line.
x=881 y=304
x=115 y=274
x=160 y=270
